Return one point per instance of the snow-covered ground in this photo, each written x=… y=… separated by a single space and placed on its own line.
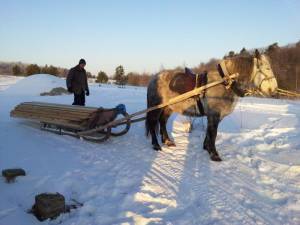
x=123 y=181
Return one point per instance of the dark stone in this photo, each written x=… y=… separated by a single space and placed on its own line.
x=56 y=91
x=48 y=206
x=11 y=174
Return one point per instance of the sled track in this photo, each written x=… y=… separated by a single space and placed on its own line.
x=183 y=177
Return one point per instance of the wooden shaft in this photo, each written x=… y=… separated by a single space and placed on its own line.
x=177 y=99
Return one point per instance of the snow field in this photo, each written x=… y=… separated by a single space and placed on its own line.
x=123 y=181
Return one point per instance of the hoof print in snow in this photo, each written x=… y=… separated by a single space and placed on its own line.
x=51 y=205
x=11 y=174
x=48 y=206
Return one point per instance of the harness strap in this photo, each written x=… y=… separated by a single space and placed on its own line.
x=224 y=74
x=203 y=81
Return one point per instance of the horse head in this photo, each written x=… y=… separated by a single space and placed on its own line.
x=262 y=76
x=255 y=72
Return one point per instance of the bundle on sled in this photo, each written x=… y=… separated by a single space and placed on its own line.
x=72 y=120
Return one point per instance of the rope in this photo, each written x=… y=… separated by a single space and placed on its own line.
x=280 y=91
x=288 y=93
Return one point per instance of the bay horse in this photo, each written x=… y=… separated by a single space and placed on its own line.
x=254 y=71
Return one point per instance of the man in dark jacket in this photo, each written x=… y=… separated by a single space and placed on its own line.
x=77 y=83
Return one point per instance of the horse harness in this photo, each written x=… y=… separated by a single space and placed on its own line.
x=202 y=79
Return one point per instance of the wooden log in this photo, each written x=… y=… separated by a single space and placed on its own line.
x=51 y=112
x=78 y=110
x=61 y=106
x=55 y=121
x=48 y=118
x=37 y=110
x=40 y=117
x=60 y=114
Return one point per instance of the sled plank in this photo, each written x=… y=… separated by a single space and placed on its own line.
x=50 y=112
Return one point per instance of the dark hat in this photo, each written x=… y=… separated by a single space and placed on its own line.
x=82 y=61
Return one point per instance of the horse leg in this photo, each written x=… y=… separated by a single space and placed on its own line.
x=151 y=124
x=211 y=134
x=163 y=119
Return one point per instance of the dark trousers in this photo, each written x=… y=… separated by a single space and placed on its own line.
x=79 y=99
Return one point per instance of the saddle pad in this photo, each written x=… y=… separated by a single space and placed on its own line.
x=184 y=82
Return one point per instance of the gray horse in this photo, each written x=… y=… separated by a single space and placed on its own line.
x=217 y=102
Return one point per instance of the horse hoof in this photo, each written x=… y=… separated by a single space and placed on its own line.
x=156 y=147
x=170 y=143
x=205 y=147
x=215 y=158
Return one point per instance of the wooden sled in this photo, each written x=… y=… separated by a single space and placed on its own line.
x=71 y=120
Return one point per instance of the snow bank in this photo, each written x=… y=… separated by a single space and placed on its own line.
x=7 y=80
x=34 y=85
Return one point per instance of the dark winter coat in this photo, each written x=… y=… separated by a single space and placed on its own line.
x=77 y=80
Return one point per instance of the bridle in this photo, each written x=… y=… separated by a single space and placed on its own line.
x=258 y=70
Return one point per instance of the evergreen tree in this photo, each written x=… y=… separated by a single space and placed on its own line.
x=244 y=52
x=16 y=70
x=231 y=54
x=102 y=77
x=53 y=70
x=120 y=75
x=32 y=69
x=45 y=69
x=272 y=48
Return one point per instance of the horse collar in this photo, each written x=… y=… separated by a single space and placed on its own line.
x=224 y=74
x=222 y=69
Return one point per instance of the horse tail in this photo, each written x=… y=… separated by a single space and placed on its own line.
x=152 y=121
x=153 y=98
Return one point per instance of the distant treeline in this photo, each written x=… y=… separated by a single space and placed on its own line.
x=121 y=78
x=22 y=69
x=285 y=63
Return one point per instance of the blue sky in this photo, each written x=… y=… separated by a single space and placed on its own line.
x=141 y=35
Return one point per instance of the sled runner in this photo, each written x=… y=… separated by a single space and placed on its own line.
x=70 y=120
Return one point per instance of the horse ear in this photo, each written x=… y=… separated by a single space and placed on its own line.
x=188 y=71
x=257 y=54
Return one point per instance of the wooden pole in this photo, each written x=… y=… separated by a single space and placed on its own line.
x=177 y=99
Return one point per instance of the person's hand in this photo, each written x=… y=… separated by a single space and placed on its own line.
x=87 y=92
x=70 y=89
